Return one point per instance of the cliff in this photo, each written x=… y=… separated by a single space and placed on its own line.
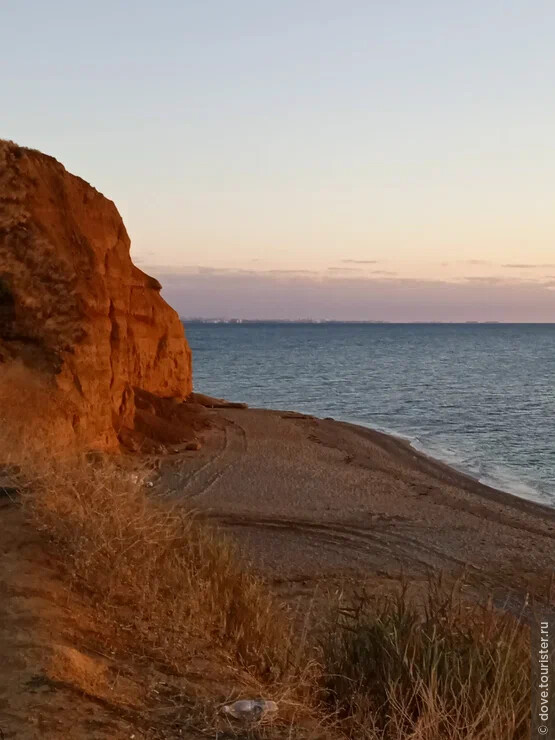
x=75 y=309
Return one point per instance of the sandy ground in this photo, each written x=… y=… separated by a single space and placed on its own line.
x=313 y=500
x=51 y=684
x=316 y=505
x=61 y=678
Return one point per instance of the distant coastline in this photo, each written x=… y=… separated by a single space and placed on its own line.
x=234 y=321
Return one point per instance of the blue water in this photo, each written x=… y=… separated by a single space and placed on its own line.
x=479 y=397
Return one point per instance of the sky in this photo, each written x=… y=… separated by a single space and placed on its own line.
x=306 y=158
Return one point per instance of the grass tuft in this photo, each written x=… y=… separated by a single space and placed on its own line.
x=162 y=578
x=448 y=669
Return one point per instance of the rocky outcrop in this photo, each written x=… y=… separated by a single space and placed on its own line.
x=75 y=309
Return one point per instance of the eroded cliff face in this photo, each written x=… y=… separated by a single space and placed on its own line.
x=75 y=309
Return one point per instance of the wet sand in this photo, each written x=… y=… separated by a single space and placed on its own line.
x=316 y=500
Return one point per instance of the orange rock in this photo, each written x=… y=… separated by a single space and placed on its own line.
x=73 y=306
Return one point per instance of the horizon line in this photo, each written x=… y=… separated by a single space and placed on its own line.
x=238 y=320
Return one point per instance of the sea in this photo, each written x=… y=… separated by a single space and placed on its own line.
x=480 y=397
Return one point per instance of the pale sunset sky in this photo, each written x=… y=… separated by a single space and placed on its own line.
x=307 y=158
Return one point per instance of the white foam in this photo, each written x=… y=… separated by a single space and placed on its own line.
x=496 y=477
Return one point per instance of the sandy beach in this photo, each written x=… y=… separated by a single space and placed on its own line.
x=317 y=500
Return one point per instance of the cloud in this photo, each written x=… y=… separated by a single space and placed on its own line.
x=170 y=271
x=344 y=269
x=528 y=266
x=265 y=295
x=201 y=270
x=290 y=272
x=505 y=280
x=360 y=262
x=509 y=265
x=491 y=280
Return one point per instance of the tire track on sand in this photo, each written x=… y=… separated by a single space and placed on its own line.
x=384 y=543
x=232 y=448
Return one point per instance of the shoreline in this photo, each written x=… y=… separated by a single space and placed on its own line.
x=464 y=478
x=312 y=500
x=533 y=495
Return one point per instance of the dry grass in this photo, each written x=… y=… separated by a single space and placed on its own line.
x=165 y=590
x=449 y=669
x=166 y=587
x=165 y=582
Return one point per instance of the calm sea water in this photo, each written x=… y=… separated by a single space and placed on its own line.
x=479 y=397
